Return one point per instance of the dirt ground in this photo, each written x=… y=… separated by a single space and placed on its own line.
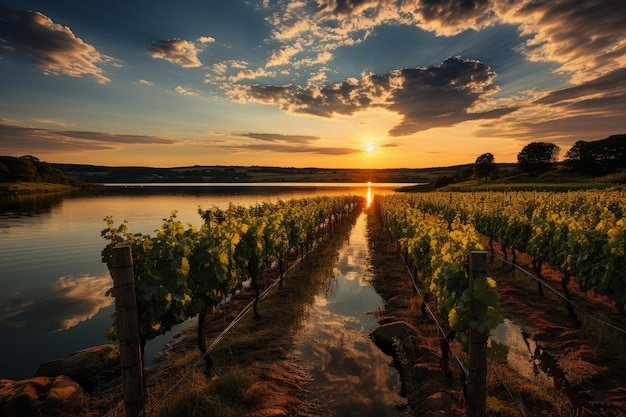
x=592 y=355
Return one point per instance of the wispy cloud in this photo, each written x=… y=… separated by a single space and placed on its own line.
x=586 y=38
x=437 y=96
x=275 y=137
x=16 y=138
x=176 y=51
x=55 y=48
x=248 y=74
x=145 y=82
x=591 y=110
x=279 y=143
x=186 y=91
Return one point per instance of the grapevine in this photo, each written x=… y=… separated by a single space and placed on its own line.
x=183 y=271
x=438 y=247
x=580 y=233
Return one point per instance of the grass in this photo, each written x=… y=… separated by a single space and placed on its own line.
x=13 y=188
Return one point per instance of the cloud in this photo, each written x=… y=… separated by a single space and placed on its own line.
x=275 y=137
x=68 y=302
x=54 y=47
x=585 y=38
x=206 y=39
x=591 y=110
x=248 y=74
x=437 y=96
x=283 y=55
x=145 y=82
x=280 y=143
x=176 y=51
x=16 y=138
x=186 y=91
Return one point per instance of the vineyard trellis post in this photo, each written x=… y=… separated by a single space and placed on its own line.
x=128 y=330
x=477 y=378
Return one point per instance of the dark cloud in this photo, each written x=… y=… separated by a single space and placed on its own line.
x=177 y=51
x=587 y=37
x=275 y=137
x=612 y=84
x=16 y=138
x=54 y=47
x=437 y=96
x=455 y=13
x=592 y=110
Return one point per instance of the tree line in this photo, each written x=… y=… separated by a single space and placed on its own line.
x=600 y=157
x=30 y=169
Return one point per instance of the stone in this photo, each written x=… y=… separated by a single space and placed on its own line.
x=384 y=335
x=387 y=320
x=438 y=401
x=89 y=367
x=40 y=396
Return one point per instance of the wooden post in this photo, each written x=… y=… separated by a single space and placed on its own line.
x=477 y=378
x=128 y=330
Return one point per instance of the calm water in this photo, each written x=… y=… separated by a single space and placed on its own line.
x=352 y=377
x=52 y=279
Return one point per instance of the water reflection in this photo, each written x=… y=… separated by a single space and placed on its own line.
x=509 y=342
x=15 y=206
x=68 y=302
x=352 y=377
x=44 y=237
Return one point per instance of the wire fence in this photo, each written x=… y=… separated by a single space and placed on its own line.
x=118 y=409
x=445 y=339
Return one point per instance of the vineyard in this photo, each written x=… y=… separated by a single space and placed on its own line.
x=575 y=238
x=581 y=234
x=184 y=272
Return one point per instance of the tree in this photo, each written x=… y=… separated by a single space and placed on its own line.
x=537 y=157
x=598 y=157
x=485 y=165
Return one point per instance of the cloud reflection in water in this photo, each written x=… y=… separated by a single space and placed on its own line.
x=70 y=301
x=352 y=377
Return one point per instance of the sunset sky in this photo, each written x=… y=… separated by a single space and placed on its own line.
x=323 y=83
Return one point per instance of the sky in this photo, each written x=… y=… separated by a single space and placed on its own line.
x=308 y=83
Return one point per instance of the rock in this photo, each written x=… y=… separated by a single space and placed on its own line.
x=40 y=396
x=384 y=335
x=88 y=367
x=438 y=401
x=387 y=320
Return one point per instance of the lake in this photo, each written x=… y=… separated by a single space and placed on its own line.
x=52 y=279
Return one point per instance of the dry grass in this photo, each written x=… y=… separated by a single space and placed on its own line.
x=577 y=370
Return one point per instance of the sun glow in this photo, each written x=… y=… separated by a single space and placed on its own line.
x=369 y=146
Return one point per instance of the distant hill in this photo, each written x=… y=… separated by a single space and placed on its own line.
x=240 y=174
x=30 y=169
